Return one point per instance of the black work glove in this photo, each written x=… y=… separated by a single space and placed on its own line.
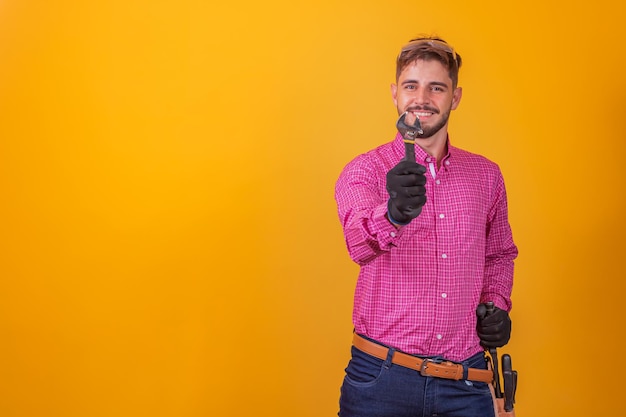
x=407 y=194
x=494 y=328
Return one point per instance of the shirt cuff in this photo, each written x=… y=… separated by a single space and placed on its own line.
x=388 y=234
x=498 y=301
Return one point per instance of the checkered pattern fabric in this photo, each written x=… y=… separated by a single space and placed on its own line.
x=419 y=286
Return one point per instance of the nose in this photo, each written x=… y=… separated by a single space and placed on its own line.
x=421 y=96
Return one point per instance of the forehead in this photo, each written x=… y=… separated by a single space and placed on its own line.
x=422 y=71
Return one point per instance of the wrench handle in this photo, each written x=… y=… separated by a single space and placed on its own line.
x=409 y=150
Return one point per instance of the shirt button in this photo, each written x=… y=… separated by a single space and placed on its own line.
x=392 y=234
x=444 y=256
x=447 y=162
x=427 y=159
x=439 y=337
x=441 y=216
x=437 y=182
x=444 y=295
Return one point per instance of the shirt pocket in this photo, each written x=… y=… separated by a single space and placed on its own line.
x=470 y=225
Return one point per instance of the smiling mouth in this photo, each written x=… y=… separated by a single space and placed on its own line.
x=423 y=112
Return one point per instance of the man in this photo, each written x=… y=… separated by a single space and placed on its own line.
x=433 y=242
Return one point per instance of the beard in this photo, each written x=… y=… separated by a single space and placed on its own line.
x=429 y=131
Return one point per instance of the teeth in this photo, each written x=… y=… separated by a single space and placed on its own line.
x=422 y=114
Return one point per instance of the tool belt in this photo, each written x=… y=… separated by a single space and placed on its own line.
x=426 y=367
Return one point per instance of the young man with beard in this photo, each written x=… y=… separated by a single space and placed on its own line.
x=433 y=242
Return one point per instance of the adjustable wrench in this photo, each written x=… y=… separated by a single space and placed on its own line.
x=409 y=132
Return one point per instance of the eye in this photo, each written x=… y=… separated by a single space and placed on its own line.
x=438 y=89
x=410 y=87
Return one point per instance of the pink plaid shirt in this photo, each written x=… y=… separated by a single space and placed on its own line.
x=419 y=286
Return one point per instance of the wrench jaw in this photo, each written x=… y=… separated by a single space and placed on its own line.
x=409 y=132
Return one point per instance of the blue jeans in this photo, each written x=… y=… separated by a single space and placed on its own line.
x=374 y=387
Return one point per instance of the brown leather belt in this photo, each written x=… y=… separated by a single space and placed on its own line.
x=426 y=367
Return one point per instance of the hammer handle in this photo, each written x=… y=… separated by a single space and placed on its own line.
x=494 y=356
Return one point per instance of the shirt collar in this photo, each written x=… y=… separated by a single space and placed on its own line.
x=421 y=157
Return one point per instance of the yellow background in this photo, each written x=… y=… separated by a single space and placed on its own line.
x=169 y=241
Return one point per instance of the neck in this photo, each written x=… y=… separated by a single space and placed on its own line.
x=436 y=145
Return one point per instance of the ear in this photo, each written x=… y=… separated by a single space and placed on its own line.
x=456 y=97
x=394 y=94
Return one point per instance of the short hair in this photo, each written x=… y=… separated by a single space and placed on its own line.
x=427 y=49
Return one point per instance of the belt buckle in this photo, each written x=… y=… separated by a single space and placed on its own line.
x=424 y=366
